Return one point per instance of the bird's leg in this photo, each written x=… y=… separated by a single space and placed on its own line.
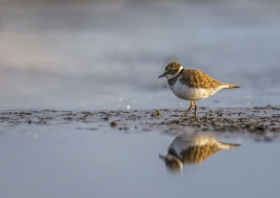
x=195 y=108
x=191 y=105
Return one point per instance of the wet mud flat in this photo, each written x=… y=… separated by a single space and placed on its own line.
x=261 y=121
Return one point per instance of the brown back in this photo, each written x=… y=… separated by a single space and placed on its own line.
x=197 y=79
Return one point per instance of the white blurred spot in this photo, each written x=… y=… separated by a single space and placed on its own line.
x=248 y=103
x=36 y=135
x=249 y=97
x=127 y=107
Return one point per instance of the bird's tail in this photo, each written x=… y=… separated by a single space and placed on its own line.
x=228 y=145
x=232 y=86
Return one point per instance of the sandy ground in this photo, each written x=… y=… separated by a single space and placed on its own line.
x=261 y=122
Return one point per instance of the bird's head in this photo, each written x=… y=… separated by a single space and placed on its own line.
x=172 y=162
x=171 y=70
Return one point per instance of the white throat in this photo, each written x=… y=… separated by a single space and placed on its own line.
x=169 y=76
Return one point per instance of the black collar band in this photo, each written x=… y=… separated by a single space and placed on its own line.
x=172 y=81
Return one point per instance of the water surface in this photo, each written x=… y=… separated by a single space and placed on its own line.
x=64 y=162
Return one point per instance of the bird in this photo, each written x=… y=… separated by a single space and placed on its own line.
x=192 y=84
x=192 y=149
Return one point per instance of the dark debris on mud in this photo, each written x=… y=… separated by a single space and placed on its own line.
x=256 y=120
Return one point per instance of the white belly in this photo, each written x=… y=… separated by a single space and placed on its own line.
x=184 y=92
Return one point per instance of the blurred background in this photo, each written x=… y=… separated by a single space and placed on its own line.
x=93 y=55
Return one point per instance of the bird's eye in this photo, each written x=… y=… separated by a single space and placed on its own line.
x=171 y=70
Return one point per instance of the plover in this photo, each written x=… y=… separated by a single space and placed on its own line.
x=191 y=84
x=192 y=149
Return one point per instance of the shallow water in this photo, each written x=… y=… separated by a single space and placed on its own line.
x=51 y=161
x=109 y=55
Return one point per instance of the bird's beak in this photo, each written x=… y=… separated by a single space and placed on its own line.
x=161 y=157
x=162 y=75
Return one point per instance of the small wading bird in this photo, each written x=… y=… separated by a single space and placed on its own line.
x=192 y=149
x=191 y=84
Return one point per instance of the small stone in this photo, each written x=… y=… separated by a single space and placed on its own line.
x=113 y=123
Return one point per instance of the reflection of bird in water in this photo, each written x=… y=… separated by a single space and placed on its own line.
x=192 y=149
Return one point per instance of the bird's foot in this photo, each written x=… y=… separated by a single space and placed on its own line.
x=185 y=114
x=191 y=118
x=194 y=117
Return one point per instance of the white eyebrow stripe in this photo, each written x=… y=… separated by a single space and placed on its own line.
x=180 y=69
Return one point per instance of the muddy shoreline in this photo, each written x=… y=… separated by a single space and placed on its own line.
x=261 y=121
